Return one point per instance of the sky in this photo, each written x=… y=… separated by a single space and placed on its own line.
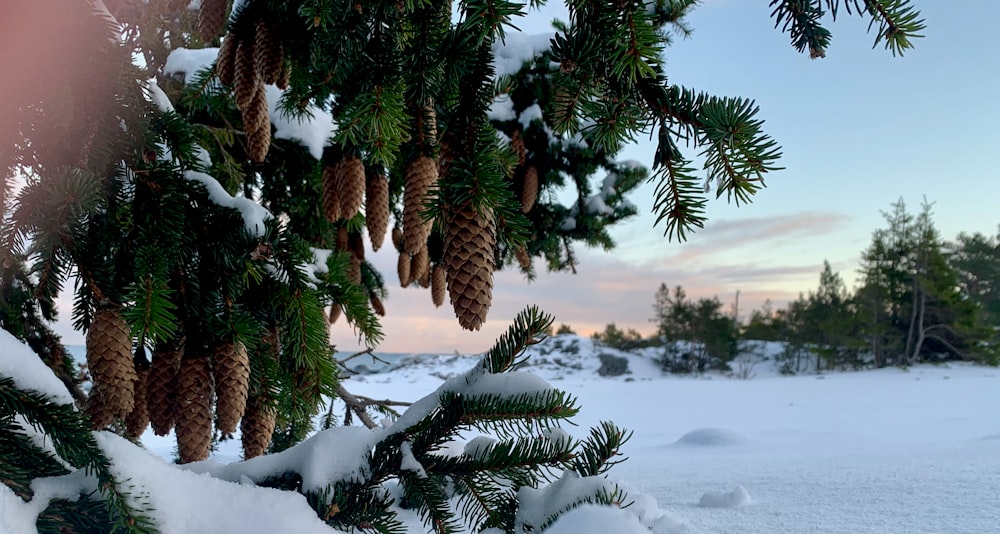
x=859 y=130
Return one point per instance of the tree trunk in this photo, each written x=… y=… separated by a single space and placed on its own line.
x=921 y=333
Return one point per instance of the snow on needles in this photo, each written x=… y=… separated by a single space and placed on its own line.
x=253 y=213
x=313 y=129
x=518 y=48
x=18 y=362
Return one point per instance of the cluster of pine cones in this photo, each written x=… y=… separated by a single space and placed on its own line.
x=247 y=64
x=175 y=391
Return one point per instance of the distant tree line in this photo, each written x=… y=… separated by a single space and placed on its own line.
x=918 y=299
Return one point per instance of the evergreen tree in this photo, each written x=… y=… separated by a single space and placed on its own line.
x=211 y=239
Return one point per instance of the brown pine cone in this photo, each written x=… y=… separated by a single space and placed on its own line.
x=529 y=189
x=469 y=244
x=376 y=208
x=523 y=258
x=109 y=358
x=284 y=76
x=211 y=19
x=225 y=64
x=193 y=409
x=438 y=285
x=257 y=427
x=354 y=270
x=403 y=269
x=517 y=143
x=257 y=125
x=161 y=389
x=138 y=419
x=231 y=370
x=421 y=176
x=420 y=267
x=270 y=53
x=350 y=186
x=342 y=241
x=397 y=238
x=378 y=306
x=246 y=81
x=334 y=313
x=356 y=244
x=331 y=205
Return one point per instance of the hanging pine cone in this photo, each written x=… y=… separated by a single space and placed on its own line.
x=270 y=53
x=430 y=132
x=334 y=313
x=161 y=388
x=257 y=427
x=354 y=270
x=225 y=64
x=284 y=76
x=529 y=189
x=193 y=409
x=246 y=79
x=350 y=185
x=211 y=19
x=523 y=258
x=378 y=306
x=376 y=208
x=109 y=358
x=257 y=124
x=231 y=370
x=420 y=267
x=138 y=419
x=468 y=257
x=438 y=284
x=331 y=205
x=517 y=143
x=403 y=269
x=356 y=244
x=343 y=239
x=397 y=238
x=421 y=175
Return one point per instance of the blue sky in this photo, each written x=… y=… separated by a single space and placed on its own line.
x=859 y=129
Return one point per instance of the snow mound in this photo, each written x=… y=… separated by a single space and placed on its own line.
x=18 y=362
x=710 y=437
x=593 y=518
x=725 y=499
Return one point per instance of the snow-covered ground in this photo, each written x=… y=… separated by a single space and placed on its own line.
x=887 y=451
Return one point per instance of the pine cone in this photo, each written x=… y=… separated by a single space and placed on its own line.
x=246 y=80
x=378 y=306
x=193 y=410
x=523 y=258
x=468 y=256
x=376 y=208
x=231 y=370
x=331 y=206
x=350 y=186
x=517 y=143
x=270 y=53
x=138 y=419
x=342 y=241
x=161 y=389
x=257 y=427
x=420 y=267
x=421 y=175
x=438 y=284
x=354 y=270
x=225 y=64
x=334 y=313
x=257 y=124
x=529 y=189
x=211 y=19
x=356 y=244
x=284 y=77
x=109 y=357
x=403 y=269
x=397 y=238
